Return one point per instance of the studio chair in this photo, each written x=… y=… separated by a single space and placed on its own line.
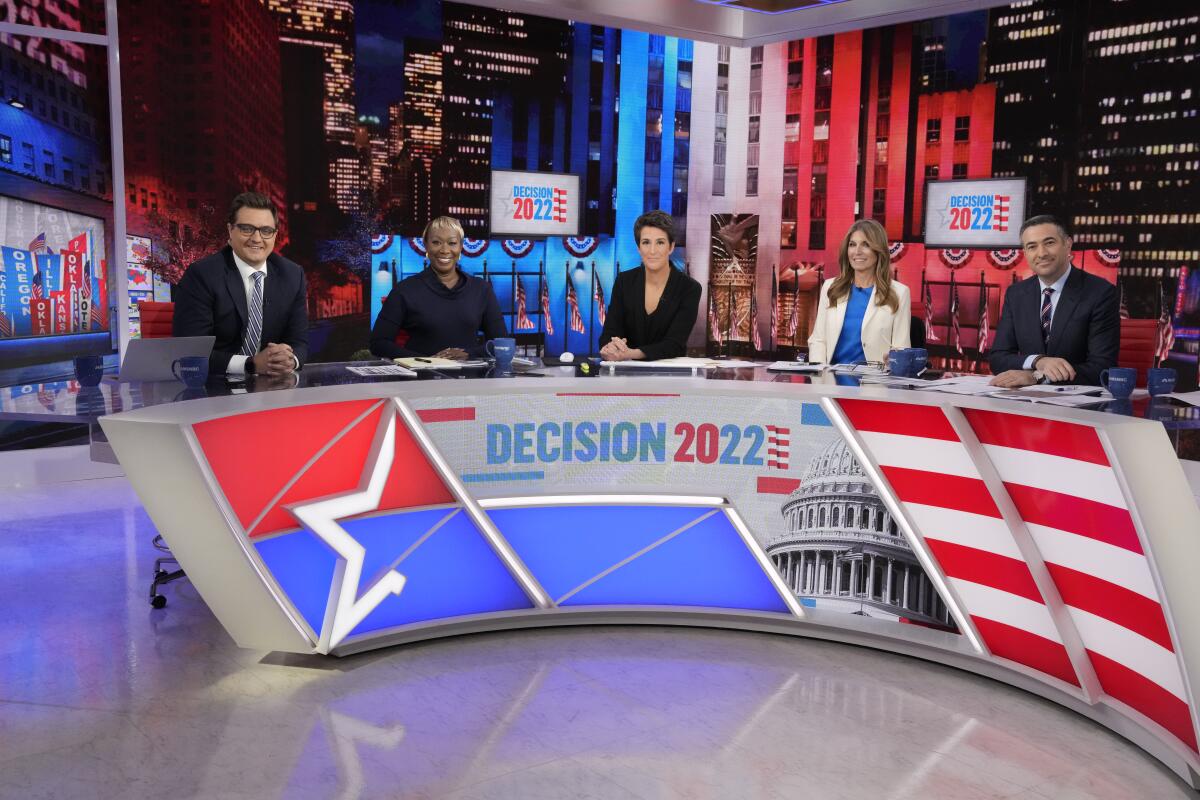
x=156 y=318
x=1138 y=337
x=916 y=332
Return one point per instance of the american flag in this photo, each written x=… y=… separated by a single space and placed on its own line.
x=714 y=324
x=755 y=337
x=545 y=301
x=984 y=322
x=6 y=326
x=1165 y=338
x=794 y=317
x=955 y=330
x=38 y=245
x=576 y=323
x=1123 y=313
x=774 y=304
x=37 y=291
x=1058 y=506
x=598 y=295
x=927 y=301
x=524 y=323
x=85 y=297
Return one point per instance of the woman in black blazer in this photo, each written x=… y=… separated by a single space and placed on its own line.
x=654 y=306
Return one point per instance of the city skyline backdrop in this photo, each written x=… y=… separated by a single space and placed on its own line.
x=367 y=118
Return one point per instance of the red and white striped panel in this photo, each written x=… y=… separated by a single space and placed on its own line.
x=779 y=442
x=1065 y=490
x=933 y=477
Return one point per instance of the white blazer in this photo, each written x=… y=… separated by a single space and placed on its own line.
x=882 y=328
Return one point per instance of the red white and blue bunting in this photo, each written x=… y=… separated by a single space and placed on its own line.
x=1110 y=258
x=418 y=246
x=955 y=257
x=897 y=250
x=581 y=246
x=516 y=248
x=474 y=247
x=1004 y=259
x=380 y=244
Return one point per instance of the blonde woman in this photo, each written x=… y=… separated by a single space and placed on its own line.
x=862 y=313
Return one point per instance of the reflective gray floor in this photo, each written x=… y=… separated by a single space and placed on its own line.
x=101 y=696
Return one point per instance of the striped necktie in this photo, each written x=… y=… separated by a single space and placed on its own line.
x=250 y=342
x=1047 y=307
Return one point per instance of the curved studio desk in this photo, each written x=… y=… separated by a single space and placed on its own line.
x=1052 y=549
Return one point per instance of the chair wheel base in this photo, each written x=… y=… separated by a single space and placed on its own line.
x=158 y=601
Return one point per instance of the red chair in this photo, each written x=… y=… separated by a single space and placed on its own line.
x=157 y=319
x=1138 y=337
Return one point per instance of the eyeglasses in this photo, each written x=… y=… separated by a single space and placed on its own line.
x=264 y=231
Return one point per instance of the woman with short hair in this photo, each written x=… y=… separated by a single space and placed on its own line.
x=654 y=306
x=442 y=309
x=862 y=313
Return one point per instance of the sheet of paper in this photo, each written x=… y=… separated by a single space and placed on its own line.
x=382 y=369
x=433 y=362
x=796 y=366
x=1052 y=396
x=1191 y=398
x=859 y=369
x=1058 y=390
x=666 y=363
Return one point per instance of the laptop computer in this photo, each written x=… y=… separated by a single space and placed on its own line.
x=151 y=359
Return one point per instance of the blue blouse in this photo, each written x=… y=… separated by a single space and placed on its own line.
x=849 y=344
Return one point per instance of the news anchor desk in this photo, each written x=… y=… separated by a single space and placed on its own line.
x=1052 y=549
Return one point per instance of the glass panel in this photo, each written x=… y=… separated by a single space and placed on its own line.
x=56 y=209
x=81 y=16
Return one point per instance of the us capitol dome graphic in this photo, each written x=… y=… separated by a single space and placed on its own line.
x=842 y=548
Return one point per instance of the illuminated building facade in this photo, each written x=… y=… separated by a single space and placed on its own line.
x=1137 y=169
x=485 y=51
x=329 y=26
x=182 y=105
x=1032 y=58
x=51 y=126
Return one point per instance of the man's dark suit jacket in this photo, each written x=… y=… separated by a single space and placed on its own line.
x=664 y=333
x=210 y=300
x=1085 y=329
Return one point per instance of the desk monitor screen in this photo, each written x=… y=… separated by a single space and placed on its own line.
x=983 y=214
x=151 y=359
x=527 y=204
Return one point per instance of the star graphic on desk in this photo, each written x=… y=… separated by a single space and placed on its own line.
x=346 y=609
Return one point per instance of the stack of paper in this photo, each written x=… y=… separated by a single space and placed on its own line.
x=375 y=370
x=433 y=362
x=796 y=366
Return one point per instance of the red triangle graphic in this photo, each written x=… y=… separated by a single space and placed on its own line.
x=339 y=469
x=412 y=481
x=254 y=455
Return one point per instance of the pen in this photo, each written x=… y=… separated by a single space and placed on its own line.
x=423 y=360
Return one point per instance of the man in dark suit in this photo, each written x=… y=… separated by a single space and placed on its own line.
x=254 y=302
x=1061 y=325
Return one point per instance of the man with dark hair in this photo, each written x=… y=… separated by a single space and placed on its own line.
x=253 y=301
x=1060 y=325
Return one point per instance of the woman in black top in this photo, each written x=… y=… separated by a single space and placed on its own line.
x=654 y=306
x=441 y=308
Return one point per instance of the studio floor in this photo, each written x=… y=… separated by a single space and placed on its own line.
x=103 y=697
